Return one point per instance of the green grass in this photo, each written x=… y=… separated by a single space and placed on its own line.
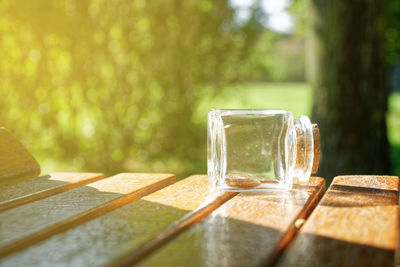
x=296 y=97
x=393 y=121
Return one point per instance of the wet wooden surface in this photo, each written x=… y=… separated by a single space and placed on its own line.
x=15 y=161
x=38 y=220
x=99 y=241
x=148 y=220
x=23 y=191
x=355 y=224
x=246 y=231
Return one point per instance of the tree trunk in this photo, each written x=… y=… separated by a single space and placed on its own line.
x=348 y=76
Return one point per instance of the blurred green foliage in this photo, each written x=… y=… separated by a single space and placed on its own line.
x=281 y=57
x=276 y=58
x=393 y=31
x=111 y=85
x=120 y=85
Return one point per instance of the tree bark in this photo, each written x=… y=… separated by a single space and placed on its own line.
x=348 y=76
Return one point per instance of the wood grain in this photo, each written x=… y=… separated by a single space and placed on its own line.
x=355 y=224
x=31 y=223
x=248 y=230
x=97 y=242
x=22 y=192
x=15 y=160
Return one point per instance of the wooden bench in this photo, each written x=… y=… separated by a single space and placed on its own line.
x=87 y=219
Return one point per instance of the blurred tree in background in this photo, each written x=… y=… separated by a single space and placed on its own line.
x=392 y=45
x=280 y=57
x=392 y=31
x=113 y=86
x=349 y=75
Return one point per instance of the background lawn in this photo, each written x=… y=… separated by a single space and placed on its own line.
x=296 y=97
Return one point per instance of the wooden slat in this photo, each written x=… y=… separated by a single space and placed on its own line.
x=15 y=160
x=248 y=230
x=103 y=239
x=355 y=224
x=36 y=221
x=22 y=192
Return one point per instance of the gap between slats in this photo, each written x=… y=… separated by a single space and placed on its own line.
x=358 y=218
x=192 y=218
x=295 y=227
x=173 y=230
x=99 y=241
x=46 y=192
x=84 y=216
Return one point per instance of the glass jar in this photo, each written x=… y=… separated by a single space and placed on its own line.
x=255 y=150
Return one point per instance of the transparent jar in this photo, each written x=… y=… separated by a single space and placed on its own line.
x=255 y=150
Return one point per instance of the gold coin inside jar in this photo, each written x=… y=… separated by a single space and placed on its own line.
x=241 y=180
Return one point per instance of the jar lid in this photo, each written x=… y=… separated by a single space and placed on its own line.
x=316 y=139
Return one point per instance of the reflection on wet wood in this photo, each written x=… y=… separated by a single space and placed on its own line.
x=355 y=224
x=22 y=192
x=172 y=231
x=15 y=161
x=248 y=230
x=105 y=238
x=123 y=220
x=31 y=223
